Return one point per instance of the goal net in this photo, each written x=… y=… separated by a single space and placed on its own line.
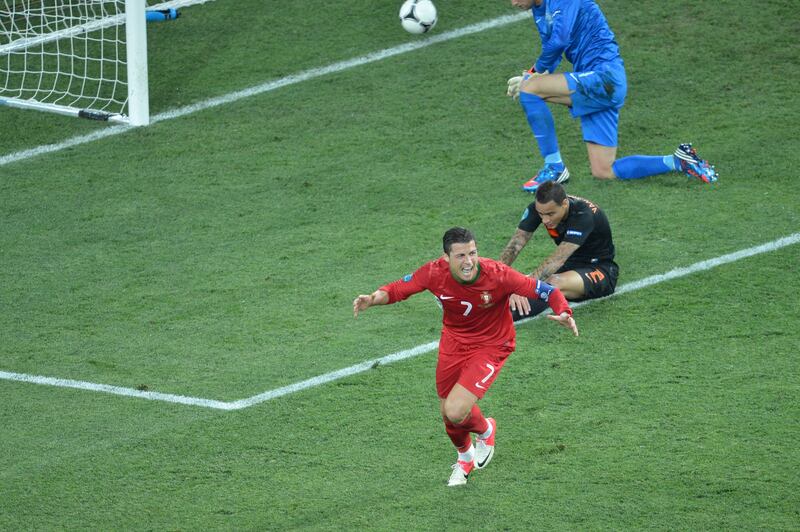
x=83 y=58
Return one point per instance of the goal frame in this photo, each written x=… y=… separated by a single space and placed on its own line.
x=138 y=102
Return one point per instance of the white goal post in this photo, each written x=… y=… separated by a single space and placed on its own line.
x=85 y=58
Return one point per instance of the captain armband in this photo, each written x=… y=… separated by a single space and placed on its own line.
x=543 y=290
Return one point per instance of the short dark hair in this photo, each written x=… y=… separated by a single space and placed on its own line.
x=551 y=191
x=456 y=235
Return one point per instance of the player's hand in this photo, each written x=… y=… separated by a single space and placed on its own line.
x=362 y=302
x=513 y=87
x=565 y=320
x=515 y=83
x=520 y=304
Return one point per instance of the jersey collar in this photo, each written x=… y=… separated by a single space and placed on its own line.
x=473 y=281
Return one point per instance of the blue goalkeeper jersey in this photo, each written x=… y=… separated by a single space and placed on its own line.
x=578 y=30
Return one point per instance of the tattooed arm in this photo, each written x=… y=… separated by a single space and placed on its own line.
x=555 y=261
x=514 y=246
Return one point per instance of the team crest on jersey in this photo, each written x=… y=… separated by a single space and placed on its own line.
x=486 y=297
x=407 y=278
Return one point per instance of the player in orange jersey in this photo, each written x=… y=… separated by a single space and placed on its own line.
x=582 y=266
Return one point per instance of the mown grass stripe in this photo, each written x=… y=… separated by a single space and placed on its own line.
x=388 y=359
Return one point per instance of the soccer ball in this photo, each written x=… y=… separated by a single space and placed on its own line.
x=418 y=16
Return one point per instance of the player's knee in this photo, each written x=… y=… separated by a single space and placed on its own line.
x=559 y=282
x=532 y=86
x=568 y=287
x=455 y=413
x=555 y=280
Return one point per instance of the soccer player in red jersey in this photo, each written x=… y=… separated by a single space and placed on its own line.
x=477 y=335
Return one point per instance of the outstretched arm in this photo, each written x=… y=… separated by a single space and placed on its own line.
x=363 y=302
x=395 y=291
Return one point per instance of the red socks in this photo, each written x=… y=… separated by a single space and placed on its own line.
x=460 y=434
x=475 y=421
x=460 y=437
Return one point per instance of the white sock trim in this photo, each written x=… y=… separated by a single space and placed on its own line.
x=468 y=456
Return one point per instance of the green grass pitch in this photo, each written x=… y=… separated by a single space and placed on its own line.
x=216 y=255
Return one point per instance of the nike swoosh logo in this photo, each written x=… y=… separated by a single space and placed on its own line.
x=446 y=297
x=481 y=464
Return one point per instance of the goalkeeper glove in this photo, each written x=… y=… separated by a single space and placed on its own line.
x=515 y=82
x=513 y=87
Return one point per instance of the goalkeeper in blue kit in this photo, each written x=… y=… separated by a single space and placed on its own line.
x=594 y=91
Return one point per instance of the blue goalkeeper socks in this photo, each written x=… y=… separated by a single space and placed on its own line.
x=639 y=166
x=544 y=128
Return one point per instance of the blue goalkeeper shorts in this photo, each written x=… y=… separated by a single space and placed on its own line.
x=597 y=96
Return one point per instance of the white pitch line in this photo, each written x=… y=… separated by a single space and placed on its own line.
x=116 y=390
x=335 y=375
x=388 y=359
x=269 y=86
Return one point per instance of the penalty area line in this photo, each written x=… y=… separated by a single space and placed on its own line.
x=388 y=359
x=116 y=390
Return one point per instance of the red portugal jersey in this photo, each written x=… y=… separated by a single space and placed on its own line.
x=476 y=313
